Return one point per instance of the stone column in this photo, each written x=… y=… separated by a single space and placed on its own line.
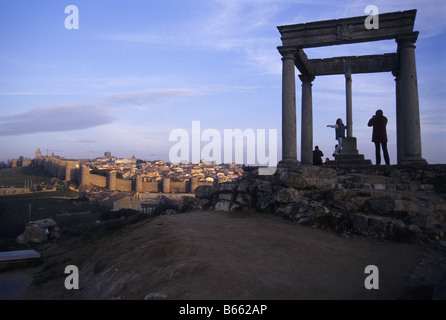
x=409 y=99
x=289 y=139
x=399 y=118
x=307 y=120
x=348 y=93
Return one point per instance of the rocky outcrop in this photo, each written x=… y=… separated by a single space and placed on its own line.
x=396 y=203
x=39 y=231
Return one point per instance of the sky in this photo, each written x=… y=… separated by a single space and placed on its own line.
x=137 y=71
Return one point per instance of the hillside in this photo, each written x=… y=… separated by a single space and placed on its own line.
x=15 y=177
x=234 y=255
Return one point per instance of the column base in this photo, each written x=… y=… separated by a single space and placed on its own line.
x=350 y=160
x=288 y=162
x=417 y=161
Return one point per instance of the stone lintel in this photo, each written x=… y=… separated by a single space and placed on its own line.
x=302 y=62
x=361 y=64
x=347 y=30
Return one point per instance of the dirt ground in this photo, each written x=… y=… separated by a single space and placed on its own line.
x=233 y=255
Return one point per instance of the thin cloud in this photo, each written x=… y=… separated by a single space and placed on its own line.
x=148 y=96
x=56 y=118
x=84 y=115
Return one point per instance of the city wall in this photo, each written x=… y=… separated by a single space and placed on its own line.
x=71 y=170
x=14 y=191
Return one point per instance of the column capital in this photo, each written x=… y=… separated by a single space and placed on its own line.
x=348 y=71
x=407 y=40
x=396 y=74
x=306 y=78
x=288 y=52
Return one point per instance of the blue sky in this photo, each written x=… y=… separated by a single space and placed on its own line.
x=136 y=70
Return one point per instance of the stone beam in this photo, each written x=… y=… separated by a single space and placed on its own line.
x=347 y=30
x=362 y=64
x=302 y=63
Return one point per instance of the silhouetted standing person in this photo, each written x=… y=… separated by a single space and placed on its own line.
x=379 y=136
x=317 y=156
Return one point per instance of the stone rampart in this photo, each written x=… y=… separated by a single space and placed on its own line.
x=124 y=185
x=71 y=170
x=151 y=186
x=178 y=186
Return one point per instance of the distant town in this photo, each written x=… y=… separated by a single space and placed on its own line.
x=119 y=183
x=148 y=171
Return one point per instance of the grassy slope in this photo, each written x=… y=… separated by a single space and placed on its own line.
x=15 y=177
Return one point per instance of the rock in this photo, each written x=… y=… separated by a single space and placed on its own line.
x=287 y=195
x=228 y=186
x=360 y=223
x=264 y=200
x=379 y=186
x=426 y=187
x=39 y=231
x=243 y=186
x=370 y=179
x=390 y=206
x=226 y=196
x=204 y=203
x=223 y=205
x=189 y=204
x=205 y=192
x=442 y=246
x=307 y=177
x=170 y=211
x=155 y=296
x=440 y=286
x=22 y=239
x=244 y=199
x=426 y=221
x=266 y=186
x=38 y=236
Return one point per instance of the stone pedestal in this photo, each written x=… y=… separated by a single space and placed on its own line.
x=349 y=154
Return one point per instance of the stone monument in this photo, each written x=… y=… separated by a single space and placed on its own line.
x=295 y=38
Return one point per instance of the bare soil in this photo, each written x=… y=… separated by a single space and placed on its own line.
x=234 y=255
